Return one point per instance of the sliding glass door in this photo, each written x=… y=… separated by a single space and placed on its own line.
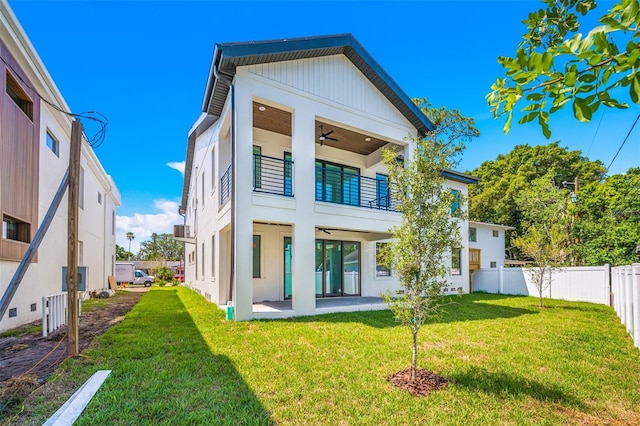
x=337 y=268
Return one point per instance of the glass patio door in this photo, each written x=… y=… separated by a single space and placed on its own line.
x=288 y=291
x=337 y=268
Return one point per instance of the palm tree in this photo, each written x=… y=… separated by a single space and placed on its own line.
x=130 y=237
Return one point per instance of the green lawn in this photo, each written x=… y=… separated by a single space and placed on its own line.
x=175 y=360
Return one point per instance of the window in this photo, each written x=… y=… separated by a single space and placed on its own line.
x=381 y=270
x=81 y=190
x=203 y=189
x=80 y=253
x=257 y=167
x=99 y=197
x=473 y=235
x=213 y=256
x=455 y=262
x=113 y=222
x=202 y=259
x=15 y=229
x=19 y=96
x=493 y=264
x=256 y=256
x=53 y=144
x=455 y=204
x=496 y=234
x=382 y=191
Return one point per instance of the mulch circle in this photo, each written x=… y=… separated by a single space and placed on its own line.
x=425 y=383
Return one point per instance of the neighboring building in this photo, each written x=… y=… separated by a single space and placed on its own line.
x=486 y=245
x=285 y=194
x=34 y=155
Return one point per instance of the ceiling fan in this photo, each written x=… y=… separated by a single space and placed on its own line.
x=325 y=136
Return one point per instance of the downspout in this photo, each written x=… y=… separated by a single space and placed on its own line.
x=229 y=82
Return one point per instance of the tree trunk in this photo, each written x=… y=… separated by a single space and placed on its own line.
x=414 y=363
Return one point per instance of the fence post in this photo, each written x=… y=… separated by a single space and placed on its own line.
x=629 y=299
x=501 y=280
x=635 y=278
x=607 y=281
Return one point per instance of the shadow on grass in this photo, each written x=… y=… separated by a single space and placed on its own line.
x=508 y=385
x=164 y=372
x=469 y=307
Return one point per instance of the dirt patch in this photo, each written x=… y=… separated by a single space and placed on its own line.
x=425 y=383
x=28 y=359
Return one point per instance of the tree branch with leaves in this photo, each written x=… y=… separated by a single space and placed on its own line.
x=555 y=65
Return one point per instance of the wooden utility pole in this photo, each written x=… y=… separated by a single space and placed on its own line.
x=72 y=243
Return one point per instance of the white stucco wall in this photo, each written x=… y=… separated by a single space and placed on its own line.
x=492 y=248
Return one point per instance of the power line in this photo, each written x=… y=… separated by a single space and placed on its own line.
x=596 y=133
x=623 y=142
x=98 y=138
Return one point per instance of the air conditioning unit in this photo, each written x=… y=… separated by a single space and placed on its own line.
x=181 y=231
x=81 y=280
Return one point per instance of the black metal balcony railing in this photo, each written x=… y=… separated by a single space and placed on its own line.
x=272 y=175
x=225 y=186
x=348 y=188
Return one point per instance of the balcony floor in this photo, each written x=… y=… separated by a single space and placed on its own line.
x=283 y=309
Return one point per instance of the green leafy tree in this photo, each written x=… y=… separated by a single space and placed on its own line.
x=546 y=238
x=161 y=247
x=607 y=225
x=122 y=254
x=428 y=232
x=503 y=179
x=556 y=65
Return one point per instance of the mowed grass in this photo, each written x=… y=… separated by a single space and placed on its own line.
x=175 y=360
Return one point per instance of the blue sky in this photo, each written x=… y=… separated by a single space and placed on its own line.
x=144 y=65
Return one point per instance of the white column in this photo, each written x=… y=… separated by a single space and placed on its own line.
x=303 y=265
x=243 y=171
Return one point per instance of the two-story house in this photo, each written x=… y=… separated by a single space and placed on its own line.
x=285 y=195
x=35 y=138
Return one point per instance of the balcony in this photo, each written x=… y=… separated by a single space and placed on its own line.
x=272 y=175
x=343 y=185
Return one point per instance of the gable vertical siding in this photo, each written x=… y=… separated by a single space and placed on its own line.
x=333 y=78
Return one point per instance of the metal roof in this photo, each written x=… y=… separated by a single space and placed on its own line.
x=459 y=177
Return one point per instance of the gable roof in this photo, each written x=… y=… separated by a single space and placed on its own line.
x=228 y=56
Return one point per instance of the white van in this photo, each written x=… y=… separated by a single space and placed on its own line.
x=142 y=278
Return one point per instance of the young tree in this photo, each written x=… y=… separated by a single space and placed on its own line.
x=555 y=65
x=546 y=237
x=428 y=232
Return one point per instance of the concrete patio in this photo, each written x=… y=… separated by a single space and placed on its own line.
x=283 y=309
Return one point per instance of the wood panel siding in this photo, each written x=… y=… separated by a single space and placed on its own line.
x=19 y=153
x=334 y=78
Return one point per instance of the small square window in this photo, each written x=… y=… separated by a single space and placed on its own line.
x=99 y=197
x=53 y=144
x=493 y=264
x=13 y=312
x=496 y=233
x=34 y=307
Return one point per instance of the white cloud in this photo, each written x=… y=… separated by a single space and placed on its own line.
x=177 y=165
x=144 y=224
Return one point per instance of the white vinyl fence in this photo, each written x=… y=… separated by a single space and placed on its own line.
x=54 y=312
x=579 y=284
x=625 y=286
